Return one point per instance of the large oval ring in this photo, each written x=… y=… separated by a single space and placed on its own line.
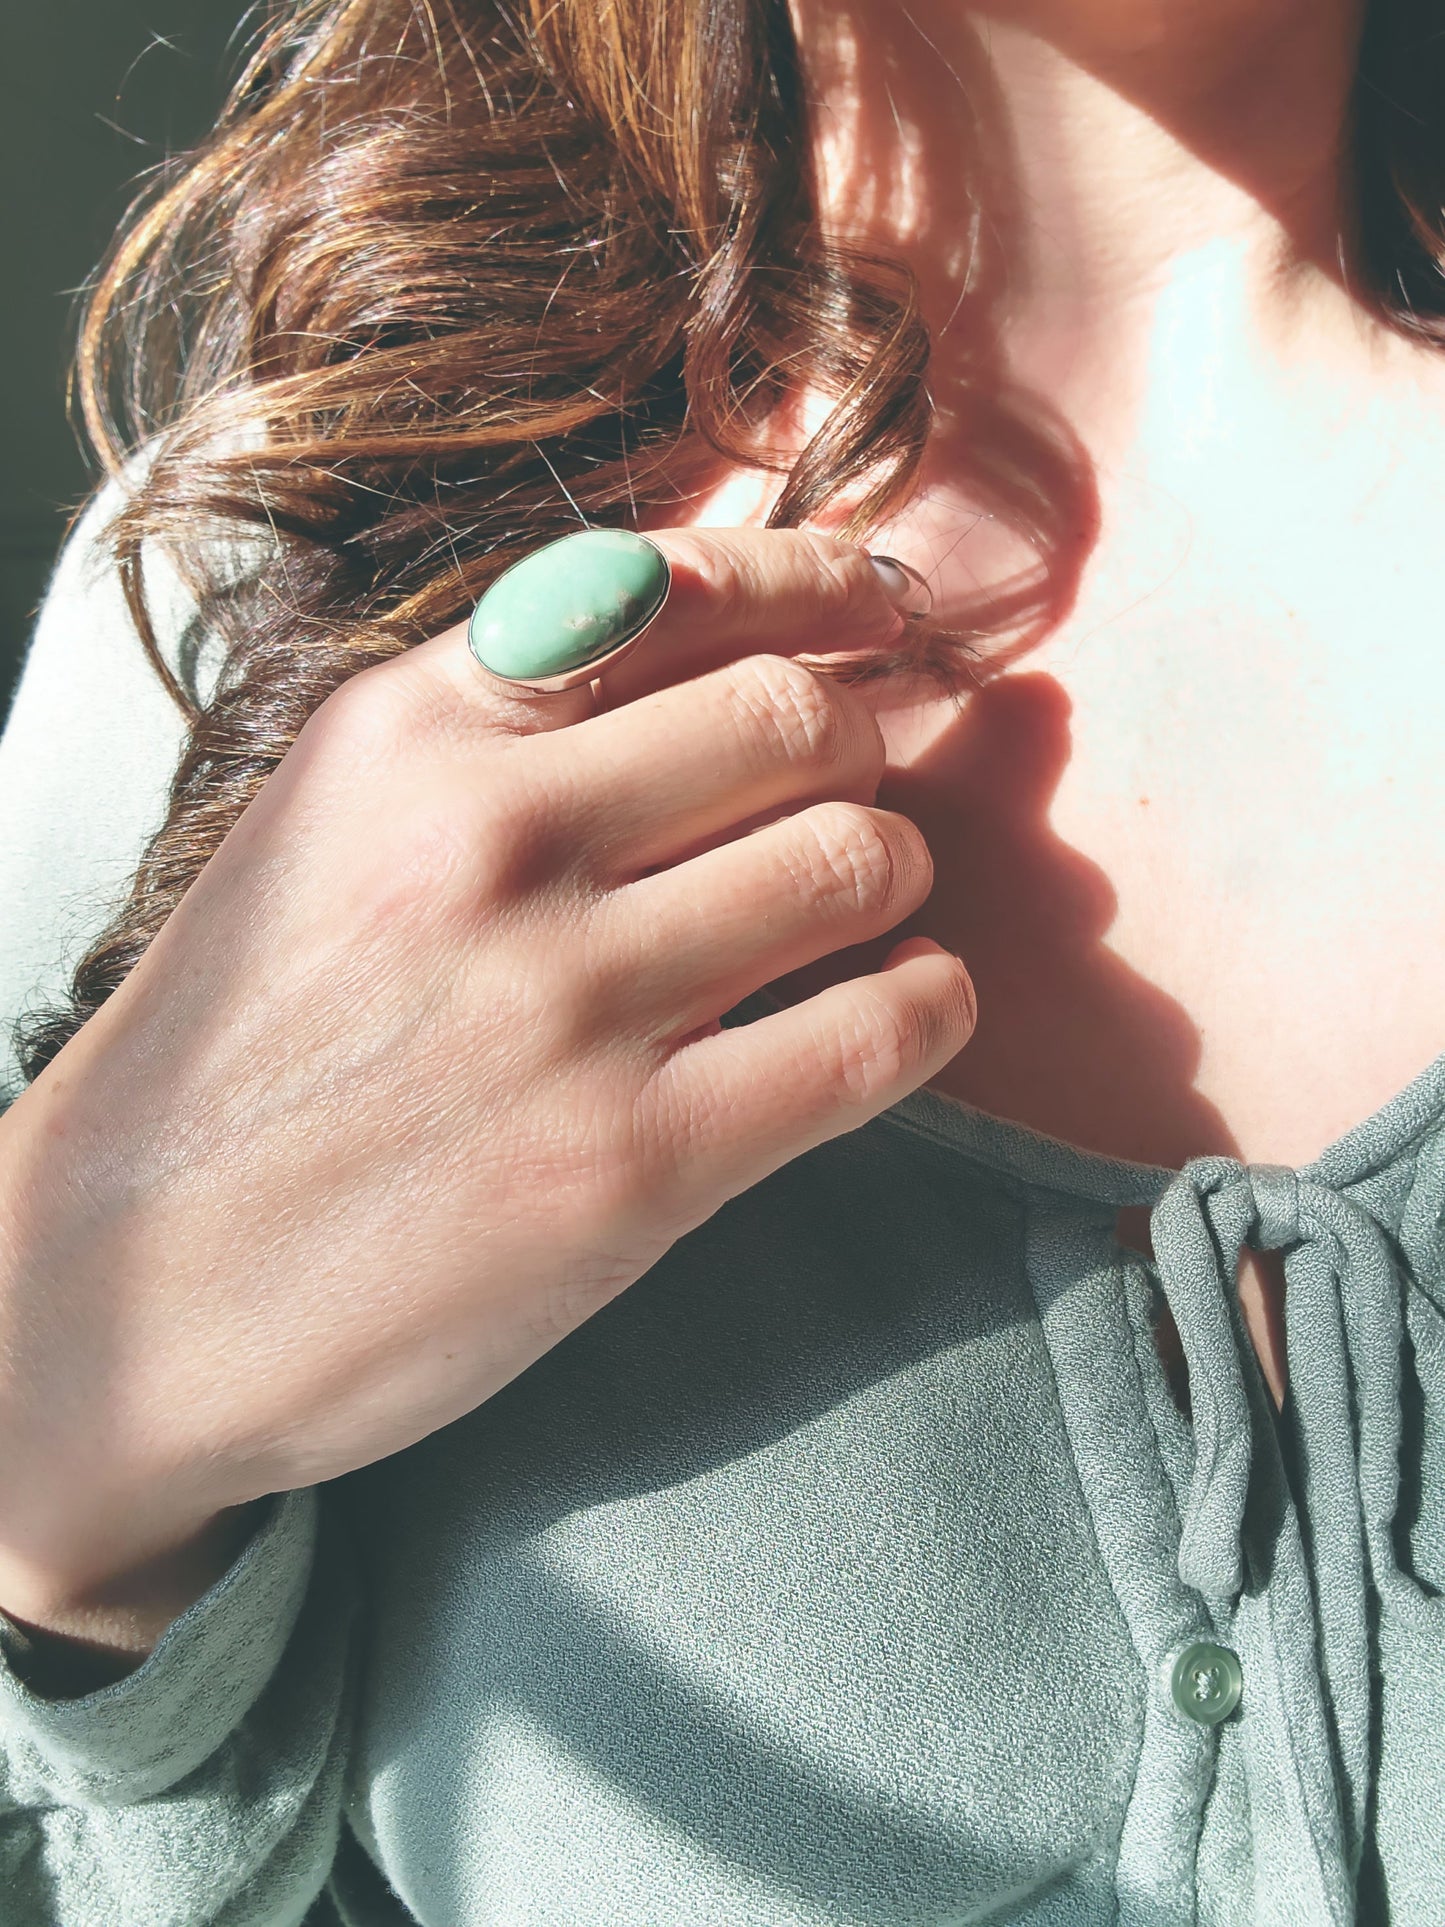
x=570 y=609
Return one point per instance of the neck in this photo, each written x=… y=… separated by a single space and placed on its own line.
x=1071 y=160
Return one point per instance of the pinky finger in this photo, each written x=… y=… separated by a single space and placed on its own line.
x=748 y=1100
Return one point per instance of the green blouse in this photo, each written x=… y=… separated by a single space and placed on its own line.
x=855 y=1566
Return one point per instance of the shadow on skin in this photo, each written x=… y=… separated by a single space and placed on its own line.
x=1071 y=1041
x=699 y=1367
x=741 y=1340
x=731 y=1348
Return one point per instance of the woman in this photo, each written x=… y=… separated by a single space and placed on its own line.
x=908 y=1541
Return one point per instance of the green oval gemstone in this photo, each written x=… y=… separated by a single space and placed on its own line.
x=1207 y=1683
x=568 y=603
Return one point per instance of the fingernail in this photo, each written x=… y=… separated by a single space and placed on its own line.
x=905 y=588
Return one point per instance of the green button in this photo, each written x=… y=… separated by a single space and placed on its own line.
x=568 y=603
x=1207 y=1682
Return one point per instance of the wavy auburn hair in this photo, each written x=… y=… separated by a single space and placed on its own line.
x=448 y=273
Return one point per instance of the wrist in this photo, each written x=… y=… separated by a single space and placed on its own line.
x=110 y=1526
x=101 y=1622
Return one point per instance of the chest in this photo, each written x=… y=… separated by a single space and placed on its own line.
x=1193 y=846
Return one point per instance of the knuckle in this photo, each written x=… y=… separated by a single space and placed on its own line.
x=433 y=853
x=512 y=852
x=424 y=867
x=879 y=1048
x=481 y=858
x=797 y=705
x=389 y=708
x=853 y=857
x=533 y=1004
x=959 y=1004
x=721 y=570
x=365 y=717
x=527 y=840
x=620 y=1196
x=845 y=576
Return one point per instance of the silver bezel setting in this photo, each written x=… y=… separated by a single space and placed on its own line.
x=587 y=671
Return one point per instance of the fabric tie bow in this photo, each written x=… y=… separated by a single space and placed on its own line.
x=1345 y=1278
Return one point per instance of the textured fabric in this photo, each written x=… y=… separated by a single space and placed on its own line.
x=833 y=1576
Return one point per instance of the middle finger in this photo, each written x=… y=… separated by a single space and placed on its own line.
x=658 y=780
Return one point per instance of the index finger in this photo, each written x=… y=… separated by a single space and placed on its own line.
x=757 y=591
x=734 y=592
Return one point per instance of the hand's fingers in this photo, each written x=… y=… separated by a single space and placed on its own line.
x=698 y=938
x=654 y=782
x=758 y=591
x=747 y=1100
x=444 y=669
x=734 y=592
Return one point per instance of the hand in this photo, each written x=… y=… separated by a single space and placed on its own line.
x=426 y=1066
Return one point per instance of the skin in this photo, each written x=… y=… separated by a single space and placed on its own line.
x=1221 y=682
x=1167 y=835
x=496 y=935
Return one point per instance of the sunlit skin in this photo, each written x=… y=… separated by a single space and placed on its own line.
x=1190 y=839
x=1192 y=842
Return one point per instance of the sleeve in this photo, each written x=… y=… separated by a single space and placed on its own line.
x=86 y=758
x=205 y=1789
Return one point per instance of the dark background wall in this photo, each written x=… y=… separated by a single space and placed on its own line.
x=92 y=92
